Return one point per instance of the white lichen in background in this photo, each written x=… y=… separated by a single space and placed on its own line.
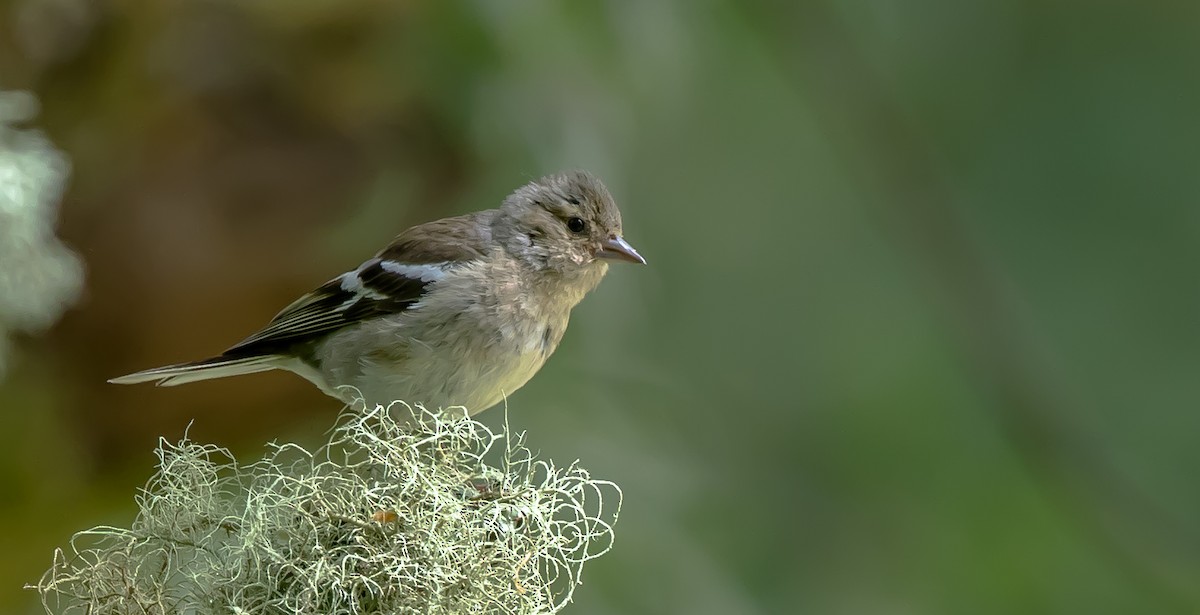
x=383 y=519
x=39 y=276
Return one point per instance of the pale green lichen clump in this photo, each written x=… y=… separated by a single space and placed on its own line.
x=39 y=276
x=383 y=519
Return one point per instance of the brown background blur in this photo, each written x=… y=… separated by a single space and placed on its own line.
x=921 y=325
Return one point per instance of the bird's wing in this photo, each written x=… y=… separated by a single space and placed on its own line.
x=390 y=283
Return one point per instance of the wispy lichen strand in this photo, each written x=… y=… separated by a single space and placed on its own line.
x=385 y=518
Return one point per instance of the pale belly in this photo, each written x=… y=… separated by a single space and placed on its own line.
x=439 y=382
x=470 y=368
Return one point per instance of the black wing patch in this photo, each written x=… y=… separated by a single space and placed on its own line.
x=378 y=288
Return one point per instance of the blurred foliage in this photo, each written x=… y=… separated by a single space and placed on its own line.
x=918 y=332
x=41 y=277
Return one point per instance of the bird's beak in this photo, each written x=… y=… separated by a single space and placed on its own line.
x=616 y=248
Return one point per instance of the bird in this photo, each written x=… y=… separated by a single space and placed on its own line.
x=459 y=312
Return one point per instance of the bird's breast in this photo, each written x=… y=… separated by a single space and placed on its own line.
x=474 y=339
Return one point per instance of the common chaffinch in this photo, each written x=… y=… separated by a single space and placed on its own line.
x=457 y=312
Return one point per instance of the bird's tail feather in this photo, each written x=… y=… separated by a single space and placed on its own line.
x=216 y=367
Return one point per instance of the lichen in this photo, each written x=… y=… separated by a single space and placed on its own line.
x=387 y=517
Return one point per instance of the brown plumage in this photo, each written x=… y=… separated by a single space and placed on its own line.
x=457 y=312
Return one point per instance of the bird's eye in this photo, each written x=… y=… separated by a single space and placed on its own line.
x=576 y=225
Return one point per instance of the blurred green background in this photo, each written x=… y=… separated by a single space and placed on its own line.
x=920 y=331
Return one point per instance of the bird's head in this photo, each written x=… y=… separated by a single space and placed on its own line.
x=566 y=223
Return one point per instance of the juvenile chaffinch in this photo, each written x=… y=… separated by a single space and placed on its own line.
x=457 y=312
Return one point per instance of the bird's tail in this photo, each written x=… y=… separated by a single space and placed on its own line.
x=216 y=367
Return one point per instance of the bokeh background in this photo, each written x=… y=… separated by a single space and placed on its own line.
x=920 y=331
